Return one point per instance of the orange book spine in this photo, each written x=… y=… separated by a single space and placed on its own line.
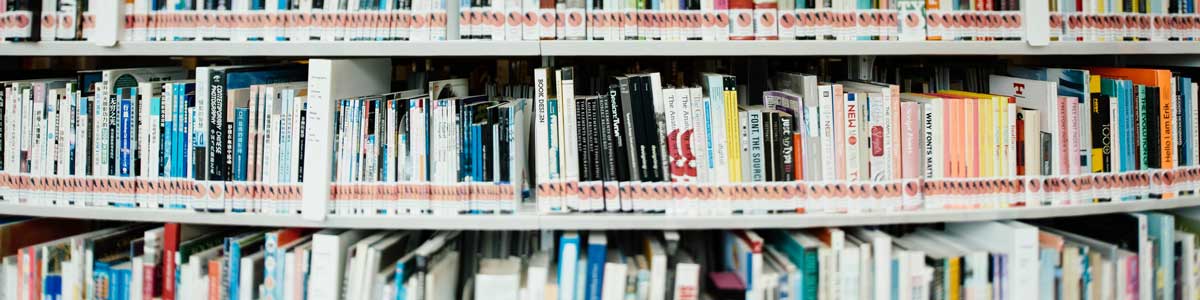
x=797 y=156
x=214 y=279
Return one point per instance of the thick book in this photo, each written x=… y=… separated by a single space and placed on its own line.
x=329 y=80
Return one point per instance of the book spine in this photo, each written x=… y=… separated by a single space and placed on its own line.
x=541 y=142
x=1101 y=147
x=629 y=130
x=217 y=144
x=126 y=135
x=911 y=136
x=241 y=123
x=700 y=147
x=785 y=147
x=752 y=145
x=732 y=127
x=1166 y=119
x=851 y=143
x=1142 y=145
x=827 y=132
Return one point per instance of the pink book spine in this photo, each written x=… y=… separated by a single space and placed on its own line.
x=971 y=166
x=1064 y=143
x=1131 y=277
x=897 y=131
x=910 y=146
x=149 y=272
x=839 y=143
x=955 y=139
x=1073 y=135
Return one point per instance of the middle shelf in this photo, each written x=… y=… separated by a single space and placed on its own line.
x=527 y=219
x=590 y=48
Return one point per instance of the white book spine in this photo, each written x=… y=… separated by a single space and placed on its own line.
x=1114 y=132
x=853 y=123
x=700 y=143
x=541 y=136
x=825 y=108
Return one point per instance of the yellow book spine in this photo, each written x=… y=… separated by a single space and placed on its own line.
x=1097 y=153
x=1000 y=129
x=734 y=134
x=954 y=279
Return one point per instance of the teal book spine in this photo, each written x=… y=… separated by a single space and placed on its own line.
x=240 y=136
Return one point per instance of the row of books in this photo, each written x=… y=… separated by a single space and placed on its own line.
x=424 y=20
x=1123 y=26
x=245 y=132
x=248 y=132
x=1123 y=20
x=1036 y=122
x=1120 y=256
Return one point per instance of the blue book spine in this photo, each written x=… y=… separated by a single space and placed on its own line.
x=552 y=111
x=597 y=253
x=125 y=132
x=100 y=278
x=399 y=281
x=234 y=272
x=477 y=153
x=52 y=287
x=240 y=135
x=1162 y=228
x=568 y=254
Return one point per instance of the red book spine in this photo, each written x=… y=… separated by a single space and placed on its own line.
x=148 y=277
x=170 y=245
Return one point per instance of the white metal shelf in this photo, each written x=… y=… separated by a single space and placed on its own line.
x=528 y=220
x=815 y=48
x=292 y=49
x=591 y=48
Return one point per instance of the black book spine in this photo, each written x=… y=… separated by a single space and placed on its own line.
x=1153 y=127
x=113 y=118
x=1101 y=136
x=623 y=121
x=616 y=153
x=303 y=133
x=648 y=126
x=502 y=142
x=770 y=156
x=216 y=128
x=583 y=138
x=596 y=123
x=604 y=138
x=786 y=151
x=637 y=125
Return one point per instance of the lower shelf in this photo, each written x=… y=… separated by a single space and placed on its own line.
x=527 y=219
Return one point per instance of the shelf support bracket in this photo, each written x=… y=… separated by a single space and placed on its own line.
x=1037 y=21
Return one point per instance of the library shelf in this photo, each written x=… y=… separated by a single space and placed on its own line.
x=277 y=49
x=823 y=48
x=589 y=48
x=527 y=219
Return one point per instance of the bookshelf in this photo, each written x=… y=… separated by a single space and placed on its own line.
x=461 y=48
x=528 y=219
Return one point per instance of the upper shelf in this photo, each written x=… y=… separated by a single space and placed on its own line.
x=527 y=219
x=592 y=48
